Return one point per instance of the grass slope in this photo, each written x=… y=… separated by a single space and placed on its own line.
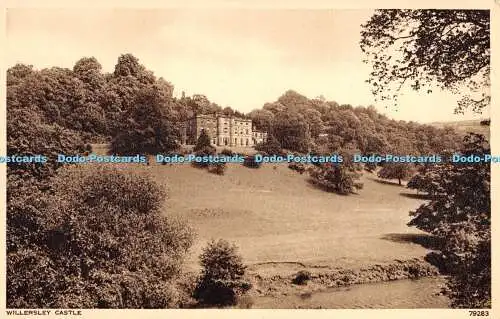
x=281 y=222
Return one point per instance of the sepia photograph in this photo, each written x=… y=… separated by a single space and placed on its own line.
x=247 y=158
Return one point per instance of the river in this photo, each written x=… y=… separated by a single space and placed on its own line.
x=400 y=294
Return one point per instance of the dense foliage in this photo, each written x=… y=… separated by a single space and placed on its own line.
x=148 y=130
x=271 y=146
x=302 y=124
x=101 y=105
x=459 y=215
x=138 y=113
x=337 y=178
x=87 y=236
x=420 y=48
x=100 y=242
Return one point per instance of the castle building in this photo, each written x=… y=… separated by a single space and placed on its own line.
x=223 y=131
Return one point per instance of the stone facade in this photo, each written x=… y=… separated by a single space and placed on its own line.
x=222 y=130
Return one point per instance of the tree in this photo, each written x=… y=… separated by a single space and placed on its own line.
x=222 y=279
x=271 y=146
x=449 y=48
x=336 y=178
x=147 y=128
x=228 y=111
x=294 y=101
x=314 y=122
x=88 y=70
x=460 y=217
x=291 y=131
x=342 y=178
x=86 y=236
x=427 y=180
x=128 y=65
x=399 y=171
x=203 y=141
x=203 y=152
x=262 y=119
x=200 y=104
x=375 y=144
x=27 y=134
x=18 y=73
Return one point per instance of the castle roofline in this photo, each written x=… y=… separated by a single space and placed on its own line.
x=217 y=115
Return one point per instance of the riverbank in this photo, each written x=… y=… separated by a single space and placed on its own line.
x=308 y=286
x=399 y=294
x=313 y=279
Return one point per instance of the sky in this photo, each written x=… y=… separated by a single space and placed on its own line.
x=241 y=58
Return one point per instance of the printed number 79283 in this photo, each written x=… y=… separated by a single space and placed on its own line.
x=478 y=313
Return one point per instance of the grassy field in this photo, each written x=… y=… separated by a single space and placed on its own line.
x=280 y=221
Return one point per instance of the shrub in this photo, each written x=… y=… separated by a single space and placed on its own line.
x=217 y=168
x=205 y=151
x=317 y=153
x=302 y=277
x=299 y=167
x=251 y=163
x=485 y=122
x=221 y=282
x=370 y=167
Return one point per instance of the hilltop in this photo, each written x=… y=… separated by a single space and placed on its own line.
x=472 y=126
